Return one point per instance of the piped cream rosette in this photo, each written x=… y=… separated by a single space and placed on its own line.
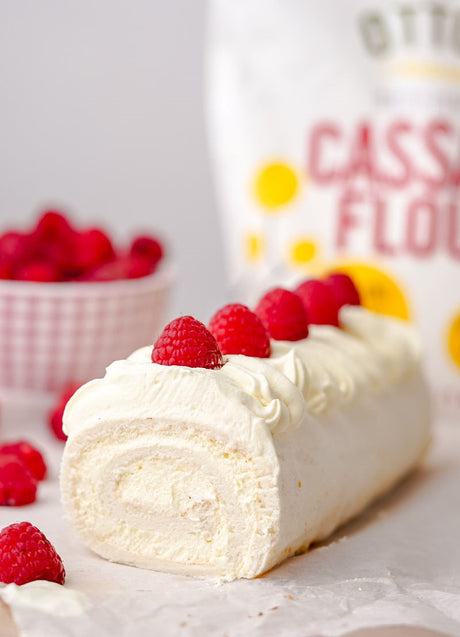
x=224 y=473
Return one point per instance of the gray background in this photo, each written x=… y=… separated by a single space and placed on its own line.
x=102 y=113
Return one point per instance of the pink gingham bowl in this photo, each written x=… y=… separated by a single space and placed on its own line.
x=53 y=334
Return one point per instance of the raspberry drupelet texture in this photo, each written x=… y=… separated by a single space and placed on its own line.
x=319 y=302
x=27 y=555
x=186 y=341
x=28 y=454
x=238 y=330
x=283 y=314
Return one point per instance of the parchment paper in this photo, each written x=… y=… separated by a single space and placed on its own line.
x=398 y=563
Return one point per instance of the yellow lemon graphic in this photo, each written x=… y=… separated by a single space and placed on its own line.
x=254 y=246
x=275 y=185
x=379 y=291
x=453 y=339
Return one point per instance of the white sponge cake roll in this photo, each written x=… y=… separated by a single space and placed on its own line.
x=224 y=473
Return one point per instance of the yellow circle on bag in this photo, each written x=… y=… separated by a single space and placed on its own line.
x=378 y=290
x=302 y=251
x=453 y=340
x=254 y=246
x=275 y=185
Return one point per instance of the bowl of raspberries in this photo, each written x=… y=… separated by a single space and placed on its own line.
x=72 y=301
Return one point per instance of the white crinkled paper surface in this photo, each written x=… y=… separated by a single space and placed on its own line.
x=398 y=563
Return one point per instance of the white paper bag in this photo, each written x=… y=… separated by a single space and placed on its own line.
x=335 y=133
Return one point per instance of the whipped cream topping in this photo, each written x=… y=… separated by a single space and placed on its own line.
x=332 y=365
x=224 y=473
x=317 y=374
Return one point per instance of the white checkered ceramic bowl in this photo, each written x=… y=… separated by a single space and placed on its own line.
x=52 y=334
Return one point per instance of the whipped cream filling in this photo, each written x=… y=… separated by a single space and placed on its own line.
x=223 y=473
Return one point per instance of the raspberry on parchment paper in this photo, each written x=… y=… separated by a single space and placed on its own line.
x=28 y=454
x=18 y=486
x=27 y=555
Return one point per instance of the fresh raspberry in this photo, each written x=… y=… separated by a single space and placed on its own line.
x=17 y=484
x=239 y=331
x=27 y=555
x=127 y=266
x=61 y=254
x=52 y=226
x=319 y=302
x=15 y=248
x=186 y=341
x=28 y=454
x=5 y=271
x=55 y=421
x=93 y=247
x=283 y=314
x=147 y=247
x=136 y=267
x=343 y=288
x=56 y=413
x=122 y=267
x=38 y=271
x=110 y=271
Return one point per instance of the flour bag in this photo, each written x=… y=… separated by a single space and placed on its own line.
x=334 y=129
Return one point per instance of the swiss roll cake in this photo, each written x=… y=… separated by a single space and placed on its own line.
x=223 y=470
